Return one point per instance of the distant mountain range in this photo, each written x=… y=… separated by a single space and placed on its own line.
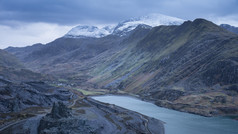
x=123 y=27
x=21 y=88
x=189 y=66
x=126 y=26
x=230 y=28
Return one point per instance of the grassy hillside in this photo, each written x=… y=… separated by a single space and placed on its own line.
x=8 y=60
x=192 y=67
x=12 y=69
x=175 y=65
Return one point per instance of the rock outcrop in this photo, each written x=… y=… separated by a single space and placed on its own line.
x=16 y=97
x=60 y=120
x=59 y=110
x=96 y=118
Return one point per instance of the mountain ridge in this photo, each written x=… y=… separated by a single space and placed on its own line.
x=122 y=28
x=175 y=77
x=170 y=65
x=230 y=28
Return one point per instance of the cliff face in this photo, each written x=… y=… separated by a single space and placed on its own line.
x=16 y=97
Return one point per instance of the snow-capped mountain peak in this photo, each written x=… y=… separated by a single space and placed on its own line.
x=152 y=20
x=123 y=27
x=89 y=31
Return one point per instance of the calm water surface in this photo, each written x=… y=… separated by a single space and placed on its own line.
x=176 y=122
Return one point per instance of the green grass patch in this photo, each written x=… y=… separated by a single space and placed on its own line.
x=62 y=80
x=54 y=85
x=87 y=92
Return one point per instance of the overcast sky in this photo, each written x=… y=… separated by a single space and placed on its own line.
x=25 y=22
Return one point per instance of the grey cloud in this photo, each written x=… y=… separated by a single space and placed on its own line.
x=68 y=12
x=19 y=19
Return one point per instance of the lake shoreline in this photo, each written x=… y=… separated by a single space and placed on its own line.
x=234 y=117
x=174 y=120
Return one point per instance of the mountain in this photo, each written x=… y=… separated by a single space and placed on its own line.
x=151 y=20
x=230 y=28
x=9 y=60
x=123 y=27
x=88 y=31
x=13 y=70
x=190 y=67
x=26 y=99
x=22 y=52
x=70 y=55
x=21 y=88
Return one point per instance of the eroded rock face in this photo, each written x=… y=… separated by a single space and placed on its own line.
x=170 y=95
x=59 y=110
x=61 y=120
x=15 y=97
x=223 y=72
x=97 y=118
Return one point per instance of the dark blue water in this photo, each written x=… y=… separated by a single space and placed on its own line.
x=176 y=122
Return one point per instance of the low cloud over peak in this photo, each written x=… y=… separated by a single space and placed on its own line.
x=58 y=16
x=22 y=34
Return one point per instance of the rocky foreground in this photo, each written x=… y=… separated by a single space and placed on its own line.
x=95 y=117
x=85 y=116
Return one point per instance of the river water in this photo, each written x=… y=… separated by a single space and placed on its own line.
x=175 y=122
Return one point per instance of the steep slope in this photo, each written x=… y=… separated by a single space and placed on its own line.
x=151 y=20
x=22 y=52
x=230 y=28
x=192 y=67
x=12 y=69
x=22 y=90
x=66 y=55
x=25 y=100
x=8 y=60
x=75 y=57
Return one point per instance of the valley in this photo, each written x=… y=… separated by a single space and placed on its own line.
x=175 y=121
x=188 y=66
x=191 y=67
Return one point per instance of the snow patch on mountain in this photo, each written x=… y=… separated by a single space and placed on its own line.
x=151 y=20
x=89 y=31
x=123 y=27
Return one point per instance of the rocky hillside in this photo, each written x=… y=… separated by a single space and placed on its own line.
x=13 y=70
x=103 y=119
x=21 y=89
x=23 y=93
x=191 y=67
x=26 y=100
x=86 y=116
x=17 y=97
x=230 y=28
x=21 y=52
x=9 y=60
